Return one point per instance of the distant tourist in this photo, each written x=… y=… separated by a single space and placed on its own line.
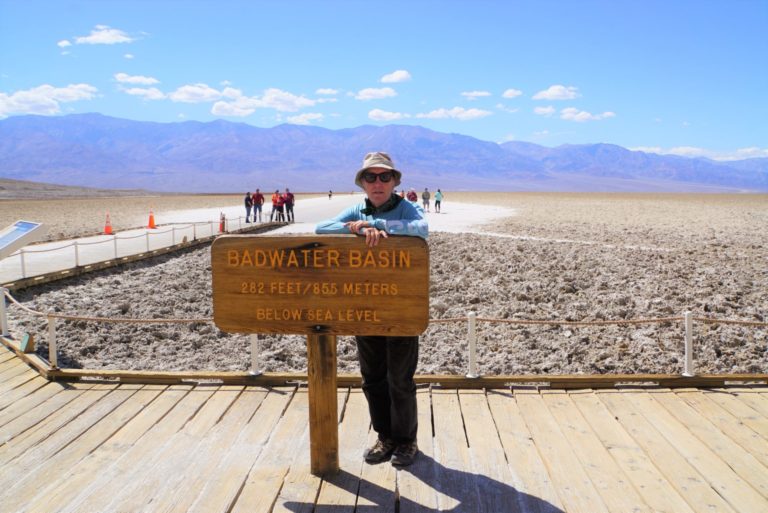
x=402 y=193
x=425 y=199
x=288 y=200
x=280 y=207
x=258 y=203
x=330 y=194
x=438 y=200
x=386 y=363
x=248 y=205
x=275 y=198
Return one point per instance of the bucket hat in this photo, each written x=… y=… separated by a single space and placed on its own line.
x=377 y=159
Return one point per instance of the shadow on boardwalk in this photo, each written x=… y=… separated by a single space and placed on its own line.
x=455 y=491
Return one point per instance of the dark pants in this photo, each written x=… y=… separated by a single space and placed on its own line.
x=388 y=365
x=247 y=213
x=289 y=212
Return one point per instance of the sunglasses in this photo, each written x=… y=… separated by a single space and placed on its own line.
x=384 y=177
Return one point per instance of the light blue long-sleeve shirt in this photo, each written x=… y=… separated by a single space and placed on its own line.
x=405 y=219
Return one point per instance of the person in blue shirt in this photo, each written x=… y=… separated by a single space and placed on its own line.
x=387 y=364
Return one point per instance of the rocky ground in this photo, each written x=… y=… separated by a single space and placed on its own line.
x=562 y=257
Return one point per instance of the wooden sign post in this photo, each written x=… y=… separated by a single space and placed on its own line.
x=321 y=286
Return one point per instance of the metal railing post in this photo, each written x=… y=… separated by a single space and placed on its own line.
x=77 y=255
x=688 y=364
x=255 y=363
x=147 y=234
x=194 y=231
x=3 y=313
x=472 y=339
x=52 y=352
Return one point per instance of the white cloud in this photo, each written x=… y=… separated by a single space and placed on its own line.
x=507 y=138
x=327 y=100
x=557 y=92
x=284 y=101
x=195 y=93
x=64 y=43
x=459 y=113
x=542 y=133
x=696 y=152
x=327 y=90
x=372 y=93
x=511 y=93
x=135 y=79
x=474 y=95
x=383 y=115
x=305 y=119
x=505 y=108
x=104 y=35
x=128 y=56
x=44 y=99
x=544 y=111
x=573 y=114
x=150 y=93
x=239 y=108
x=273 y=98
x=396 y=76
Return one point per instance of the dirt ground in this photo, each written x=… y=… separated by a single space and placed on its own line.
x=561 y=257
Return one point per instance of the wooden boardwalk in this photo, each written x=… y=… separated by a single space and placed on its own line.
x=109 y=447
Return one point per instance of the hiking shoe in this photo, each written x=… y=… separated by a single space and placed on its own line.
x=381 y=451
x=405 y=454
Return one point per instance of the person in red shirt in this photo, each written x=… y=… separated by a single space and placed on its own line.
x=280 y=207
x=258 y=202
x=275 y=197
x=288 y=200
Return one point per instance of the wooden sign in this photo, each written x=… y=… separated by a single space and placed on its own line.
x=321 y=284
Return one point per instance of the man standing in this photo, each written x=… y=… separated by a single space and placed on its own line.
x=288 y=201
x=387 y=363
x=425 y=199
x=275 y=200
x=248 y=205
x=258 y=204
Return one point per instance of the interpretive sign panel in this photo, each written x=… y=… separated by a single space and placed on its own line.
x=321 y=284
x=18 y=235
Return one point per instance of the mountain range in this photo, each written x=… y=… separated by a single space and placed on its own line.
x=94 y=150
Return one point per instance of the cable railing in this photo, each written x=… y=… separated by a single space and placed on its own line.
x=471 y=319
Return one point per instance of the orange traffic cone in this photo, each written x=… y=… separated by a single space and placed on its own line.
x=151 y=220
x=108 y=226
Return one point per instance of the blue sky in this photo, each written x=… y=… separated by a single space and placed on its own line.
x=683 y=77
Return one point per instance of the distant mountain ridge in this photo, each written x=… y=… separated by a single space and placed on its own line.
x=93 y=150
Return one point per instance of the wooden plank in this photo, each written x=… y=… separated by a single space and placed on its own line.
x=634 y=462
x=22 y=390
x=24 y=403
x=528 y=473
x=746 y=466
x=140 y=458
x=301 y=486
x=9 y=366
x=417 y=485
x=59 y=428
x=150 y=480
x=58 y=454
x=323 y=407
x=739 y=494
x=200 y=464
x=59 y=490
x=757 y=399
x=18 y=380
x=6 y=354
x=686 y=480
x=611 y=482
x=378 y=484
x=223 y=486
x=576 y=490
x=746 y=415
x=745 y=437
x=38 y=416
x=338 y=493
x=458 y=486
x=262 y=486
x=488 y=462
